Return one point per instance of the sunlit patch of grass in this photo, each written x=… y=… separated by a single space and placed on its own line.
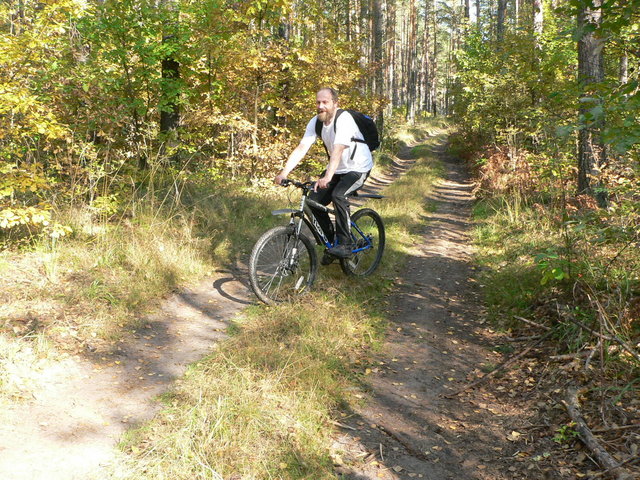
x=115 y=273
x=508 y=236
x=110 y=269
x=4 y=261
x=430 y=127
x=533 y=254
x=261 y=405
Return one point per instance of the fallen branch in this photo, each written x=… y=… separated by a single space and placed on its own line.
x=628 y=461
x=500 y=367
x=570 y=356
x=523 y=339
x=342 y=425
x=610 y=338
x=604 y=459
x=615 y=429
x=531 y=322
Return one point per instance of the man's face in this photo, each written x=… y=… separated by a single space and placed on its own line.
x=325 y=105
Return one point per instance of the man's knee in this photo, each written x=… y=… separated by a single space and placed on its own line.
x=339 y=198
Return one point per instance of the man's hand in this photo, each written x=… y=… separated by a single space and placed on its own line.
x=322 y=183
x=334 y=161
x=279 y=178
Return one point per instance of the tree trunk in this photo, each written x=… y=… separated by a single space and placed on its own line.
x=411 y=77
x=538 y=23
x=391 y=52
x=538 y=29
x=378 y=77
x=591 y=149
x=624 y=68
x=348 y=20
x=426 y=74
x=170 y=113
x=169 y=109
x=502 y=10
x=434 y=71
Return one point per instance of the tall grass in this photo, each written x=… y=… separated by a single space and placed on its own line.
x=93 y=285
x=262 y=405
x=561 y=264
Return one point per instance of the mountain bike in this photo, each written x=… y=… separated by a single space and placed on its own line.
x=284 y=261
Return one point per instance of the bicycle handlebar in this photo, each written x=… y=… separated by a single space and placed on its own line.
x=286 y=182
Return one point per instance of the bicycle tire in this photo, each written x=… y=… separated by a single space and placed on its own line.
x=366 y=261
x=275 y=275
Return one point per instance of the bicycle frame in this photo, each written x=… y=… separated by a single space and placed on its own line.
x=305 y=215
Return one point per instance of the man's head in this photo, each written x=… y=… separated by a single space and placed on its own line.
x=326 y=103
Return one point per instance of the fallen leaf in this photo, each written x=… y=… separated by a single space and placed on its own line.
x=514 y=436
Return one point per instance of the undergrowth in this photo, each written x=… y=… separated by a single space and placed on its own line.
x=561 y=262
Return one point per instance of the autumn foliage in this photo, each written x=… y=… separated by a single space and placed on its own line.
x=85 y=84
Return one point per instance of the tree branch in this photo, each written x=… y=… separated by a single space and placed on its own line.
x=602 y=456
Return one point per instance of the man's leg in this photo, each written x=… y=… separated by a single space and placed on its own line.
x=348 y=183
x=323 y=197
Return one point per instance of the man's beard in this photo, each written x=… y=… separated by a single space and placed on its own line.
x=324 y=116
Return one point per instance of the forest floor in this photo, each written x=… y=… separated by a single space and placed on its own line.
x=408 y=424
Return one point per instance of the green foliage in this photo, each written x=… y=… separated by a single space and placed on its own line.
x=565 y=434
x=552 y=267
x=83 y=89
x=524 y=94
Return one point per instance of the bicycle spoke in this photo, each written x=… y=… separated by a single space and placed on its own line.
x=281 y=265
x=368 y=236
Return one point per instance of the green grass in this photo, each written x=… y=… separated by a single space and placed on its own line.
x=262 y=405
x=106 y=273
x=508 y=237
x=536 y=258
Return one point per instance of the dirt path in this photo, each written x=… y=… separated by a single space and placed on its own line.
x=406 y=429
x=84 y=405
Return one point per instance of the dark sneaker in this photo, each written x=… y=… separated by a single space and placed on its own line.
x=341 y=251
x=327 y=258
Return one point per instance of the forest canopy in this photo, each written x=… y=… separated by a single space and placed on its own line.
x=95 y=94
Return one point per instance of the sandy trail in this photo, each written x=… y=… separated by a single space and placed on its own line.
x=406 y=428
x=70 y=427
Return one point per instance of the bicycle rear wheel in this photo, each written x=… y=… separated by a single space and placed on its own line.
x=282 y=266
x=367 y=232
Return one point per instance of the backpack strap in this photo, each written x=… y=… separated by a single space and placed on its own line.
x=319 y=129
x=335 y=123
x=319 y=135
x=353 y=139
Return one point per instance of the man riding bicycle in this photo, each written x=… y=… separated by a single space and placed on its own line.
x=350 y=162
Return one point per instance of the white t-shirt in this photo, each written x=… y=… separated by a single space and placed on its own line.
x=346 y=129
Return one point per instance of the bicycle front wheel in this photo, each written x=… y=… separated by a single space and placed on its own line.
x=282 y=265
x=367 y=232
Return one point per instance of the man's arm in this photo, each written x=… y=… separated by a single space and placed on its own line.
x=294 y=159
x=299 y=152
x=334 y=161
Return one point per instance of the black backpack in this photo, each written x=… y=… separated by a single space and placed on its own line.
x=365 y=124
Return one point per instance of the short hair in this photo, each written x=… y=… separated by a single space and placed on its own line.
x=332 y=91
